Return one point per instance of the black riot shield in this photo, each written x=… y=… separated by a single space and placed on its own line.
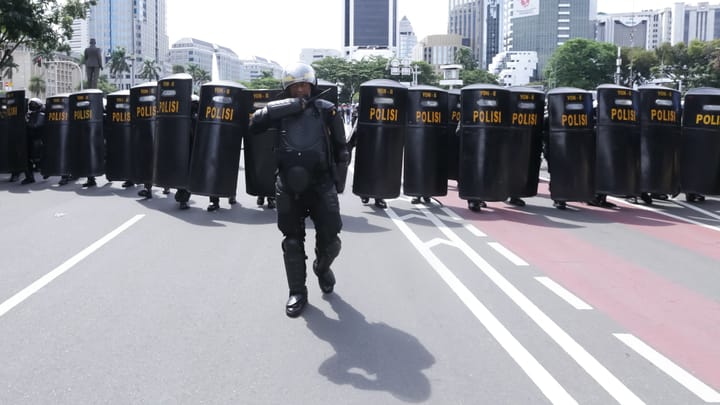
x=526 y=119
x=425 y=164
x=452 y=134
x=485 y=143
x=4 y=138
x=571 y=144
x=143 y=111
x=260 y=165
x=17 y=150
x=700 y=147
x=617 y=154
x=87 y=145
x=660 y=113
x=173 y=139
x=118 y=146
x=328 y=89
x=56 y=139
x=222 y=122
x=380 y=139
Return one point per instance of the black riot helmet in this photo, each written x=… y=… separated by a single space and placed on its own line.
x=35 y=104
x=298 y=73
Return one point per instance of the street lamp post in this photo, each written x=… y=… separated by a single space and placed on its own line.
x=404 y=68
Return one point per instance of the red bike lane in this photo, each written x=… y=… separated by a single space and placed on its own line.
x=680 y=323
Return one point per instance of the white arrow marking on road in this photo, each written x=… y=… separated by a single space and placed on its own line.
x=547 y=384
x=26 y=292
x=537 y=373
x=686 y=379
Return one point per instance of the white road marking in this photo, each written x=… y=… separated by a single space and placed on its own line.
x=646 y=208
x=554 y=391
x=686 y=379
x=537 y=373
x=561 y=292
x=514 y=259
x=22 y=295
x=696 y=208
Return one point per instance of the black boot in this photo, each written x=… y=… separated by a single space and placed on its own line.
x=415 y=200
x=518 y=202
x=364 y=200
x=127 y=184
x=260 y=201
x=232 y=201
x=294 y=259
x=561 y=205
x=271 y=202
x=380 y=203
x=214 y=204
x=13 y=177
x=28 y=179
x=647 y=198
x=184 y=205
x=476 y=205
x=427 y=199
x=63 y=180
x=321 y=265
x=694 y=197
x=166 y=190
x=90 y=182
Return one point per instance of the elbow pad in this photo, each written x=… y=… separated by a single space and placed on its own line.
x=282 y=108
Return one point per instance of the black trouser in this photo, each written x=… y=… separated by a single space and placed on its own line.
x=320 y=203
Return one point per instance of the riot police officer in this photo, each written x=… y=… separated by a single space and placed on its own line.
x=35 y=122
x=312 y=160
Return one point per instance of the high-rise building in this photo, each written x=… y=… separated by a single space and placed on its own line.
x=407 y=40
x=187 y=51
x=369 y=25
x=542 y=25
x=438 y=50
x=479 y=23
x=139 y=26
x=701 y=21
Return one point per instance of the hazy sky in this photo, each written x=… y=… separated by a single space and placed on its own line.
x=279 y=29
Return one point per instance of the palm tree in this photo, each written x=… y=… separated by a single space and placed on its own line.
x=118 y=63
x=198 y=74
x=150 y=70
x=37 y=85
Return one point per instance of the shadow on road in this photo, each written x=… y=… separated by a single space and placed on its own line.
x=369 y=355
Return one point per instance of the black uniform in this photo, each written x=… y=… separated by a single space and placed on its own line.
x=311 y=152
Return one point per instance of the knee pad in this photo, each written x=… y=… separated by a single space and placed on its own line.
x=329 y=248
x=293 y=247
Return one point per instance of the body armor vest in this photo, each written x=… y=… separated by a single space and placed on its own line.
x=302 y=148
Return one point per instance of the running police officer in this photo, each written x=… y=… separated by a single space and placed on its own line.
x=312 y=160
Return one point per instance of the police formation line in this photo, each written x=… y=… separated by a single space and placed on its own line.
x=491 y=139
x=635 y=143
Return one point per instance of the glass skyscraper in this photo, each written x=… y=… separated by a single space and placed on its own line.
x=370 y=24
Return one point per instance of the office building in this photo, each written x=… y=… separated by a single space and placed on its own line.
x=407 y=40
x=369 y=25
x=542 y=26
x=114 y=23
x=479 y=23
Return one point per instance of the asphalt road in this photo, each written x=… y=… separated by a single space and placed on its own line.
x=109 y=298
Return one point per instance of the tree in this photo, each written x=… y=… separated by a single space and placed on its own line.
x=105 y=86
x=464 y=57
x=150 y=70
x=199 y=76
x=118 y=63
x=36 y=86
x=581 y=63
x=636 y=66
x=43 y=25
x=477 y=76
x=267 y=81
x=178 y=69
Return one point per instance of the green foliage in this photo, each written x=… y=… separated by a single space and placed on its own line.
x=178 y=69
x=36 y=86
x=43 y=25
x=636 y=66
x=199 y=76
x=150 y=70
x=265 y=82
x=465 y=58
x=118 y=63
x=581 y=63
x=477 y=76
x=105 y=85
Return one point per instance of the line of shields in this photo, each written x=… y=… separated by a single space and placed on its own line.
x=491 y=139
x=156 y=134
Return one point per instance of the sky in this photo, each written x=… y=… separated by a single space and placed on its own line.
x=279 y=29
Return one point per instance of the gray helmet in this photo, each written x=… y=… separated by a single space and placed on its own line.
x=298 y=73
x=35 y=104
